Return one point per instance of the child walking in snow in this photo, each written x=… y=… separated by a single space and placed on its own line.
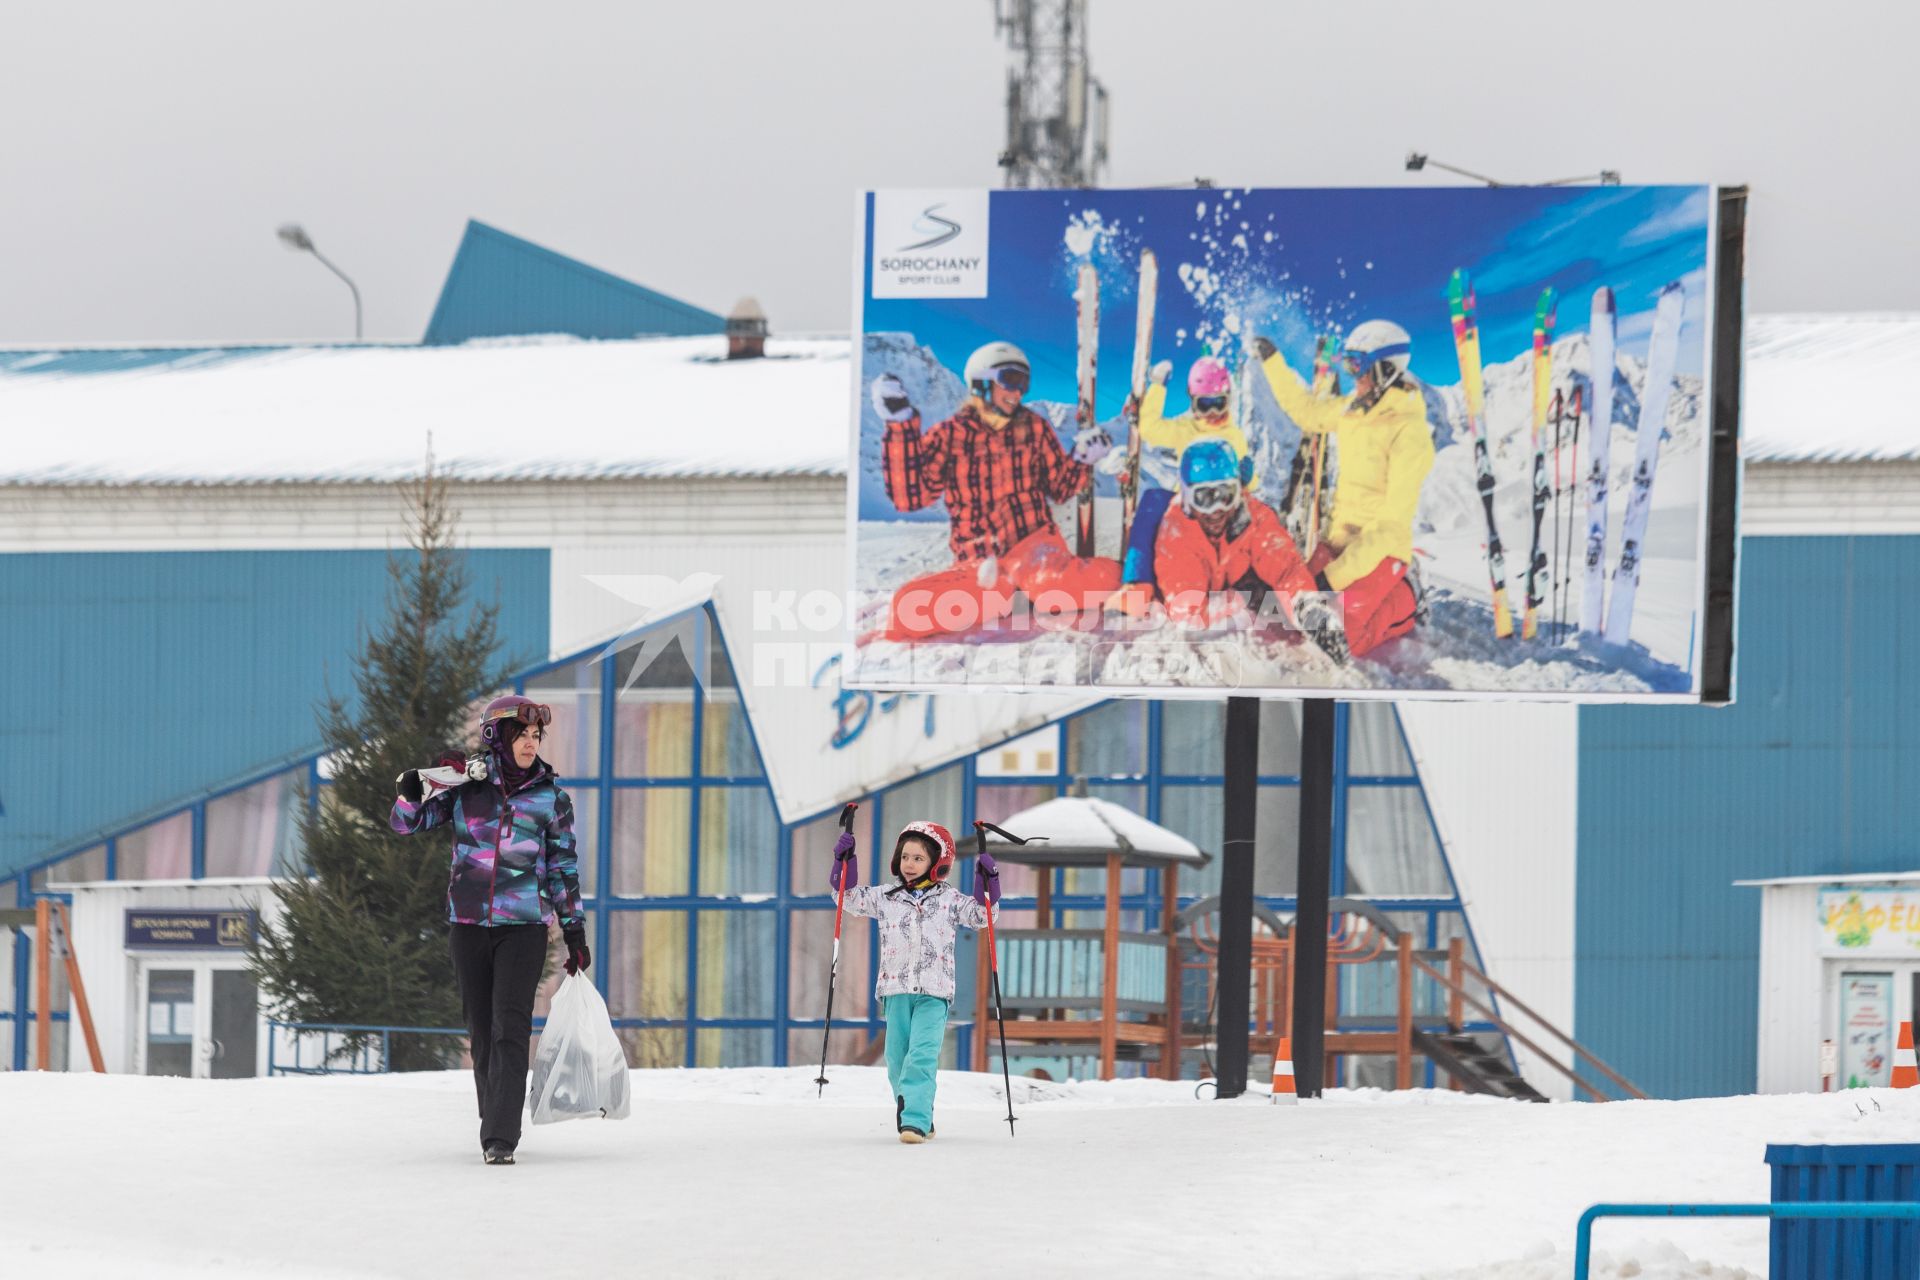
x=919 y=919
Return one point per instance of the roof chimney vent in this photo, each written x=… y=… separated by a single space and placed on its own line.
x=746 y=331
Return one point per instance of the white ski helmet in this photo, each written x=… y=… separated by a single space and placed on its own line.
x=995 y=355
x=1378 y=342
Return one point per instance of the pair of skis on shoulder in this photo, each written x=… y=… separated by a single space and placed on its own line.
x=1612 y=624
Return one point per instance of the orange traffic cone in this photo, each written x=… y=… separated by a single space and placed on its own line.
x=1283 y=1072
x=1906 y=1074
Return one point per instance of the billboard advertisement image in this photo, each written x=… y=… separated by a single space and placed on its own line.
x=1398 y=443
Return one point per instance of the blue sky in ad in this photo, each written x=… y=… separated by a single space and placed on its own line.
x=1296 y=263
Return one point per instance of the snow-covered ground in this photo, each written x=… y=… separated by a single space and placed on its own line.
x=747 y=1173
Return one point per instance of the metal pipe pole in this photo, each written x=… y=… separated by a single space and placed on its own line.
x=1312 y=889
x=350 y=285
x=1233 y=979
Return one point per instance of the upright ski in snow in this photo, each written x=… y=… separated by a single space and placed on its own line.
x=1142 y=355
x=1661 y=354
x=1537 y=568
x=1086 y=298
x=1593 y=599
x=1466 y=345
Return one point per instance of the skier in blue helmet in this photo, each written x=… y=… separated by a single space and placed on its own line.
x=1223 y=548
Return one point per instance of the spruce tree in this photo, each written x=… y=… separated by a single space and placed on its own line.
x=364 y=939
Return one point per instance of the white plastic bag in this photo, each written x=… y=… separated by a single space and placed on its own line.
x=580 y=1070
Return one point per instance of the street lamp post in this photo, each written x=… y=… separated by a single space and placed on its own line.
x=295 y=237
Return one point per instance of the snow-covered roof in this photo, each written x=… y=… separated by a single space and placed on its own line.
x=1085 y=829
x=535 y=408
x=1819 y=388
x=1826 y=388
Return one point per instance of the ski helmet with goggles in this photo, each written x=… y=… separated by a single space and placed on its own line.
x=511 y=709
x=1380 y=347
x=1209 y=477
x=1001 y=364
x=1209 y=380
x=942 y=847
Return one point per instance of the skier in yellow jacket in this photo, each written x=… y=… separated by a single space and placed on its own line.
x=1209 y=393
x=1386 y=451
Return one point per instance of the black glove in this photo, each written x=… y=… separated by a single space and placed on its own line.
x=1263 y=347
x=411 y=789
x=579 y=959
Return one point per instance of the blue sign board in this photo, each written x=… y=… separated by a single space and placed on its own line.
x=166 y=929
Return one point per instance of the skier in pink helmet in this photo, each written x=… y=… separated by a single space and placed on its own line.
x=1209 y=417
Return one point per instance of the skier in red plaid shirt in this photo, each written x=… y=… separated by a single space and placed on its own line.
x=997 y=465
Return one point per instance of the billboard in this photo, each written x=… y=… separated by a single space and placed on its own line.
x=1297 y=442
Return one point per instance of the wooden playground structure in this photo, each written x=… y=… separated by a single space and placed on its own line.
x=53 y=936
x=1101 y=996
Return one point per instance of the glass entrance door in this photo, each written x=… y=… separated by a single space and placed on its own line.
x=200 y=1020
x=168 y=1036
x=235 y=1029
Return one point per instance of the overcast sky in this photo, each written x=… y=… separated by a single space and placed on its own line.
x=711 y=149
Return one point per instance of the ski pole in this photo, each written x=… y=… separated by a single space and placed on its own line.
x=833 y=969
x=980 y=829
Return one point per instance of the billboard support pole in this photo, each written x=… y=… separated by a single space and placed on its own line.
x=1233 y=980
x=1312 y=890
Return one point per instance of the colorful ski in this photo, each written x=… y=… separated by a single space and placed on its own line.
x=1662 y=351
x=1537 y=569
x=1593 y=599
x=1466 y=345
x=1086 y=298
x=1142 y=356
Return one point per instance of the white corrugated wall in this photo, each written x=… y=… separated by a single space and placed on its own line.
x=1791 y=989
x=1503 y=781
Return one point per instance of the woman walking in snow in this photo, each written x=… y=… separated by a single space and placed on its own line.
x=514 y=874
x=919 y=918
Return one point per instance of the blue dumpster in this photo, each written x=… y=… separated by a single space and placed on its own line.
x=1824 y=1249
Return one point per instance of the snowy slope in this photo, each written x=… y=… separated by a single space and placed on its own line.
x=737 y=1173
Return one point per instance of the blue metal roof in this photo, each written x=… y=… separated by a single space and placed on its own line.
x=502 y=286
x=82 y=360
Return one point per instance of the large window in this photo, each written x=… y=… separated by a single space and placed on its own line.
x=254 y=831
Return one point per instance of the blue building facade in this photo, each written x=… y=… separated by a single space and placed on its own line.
x=1801 y=776
x=134 y=680
x=710 y=916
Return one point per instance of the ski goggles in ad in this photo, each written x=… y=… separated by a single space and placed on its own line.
x=538 y=714
x=1210 y=404
x=1223 y=495
x=1358 y=362
x=1011 y=376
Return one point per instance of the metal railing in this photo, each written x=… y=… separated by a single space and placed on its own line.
x=1842 y=1209
x=336 y=1040
x=1454 y=980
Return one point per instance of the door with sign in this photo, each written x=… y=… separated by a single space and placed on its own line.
x=197 y=1018
x=1866 y=1029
